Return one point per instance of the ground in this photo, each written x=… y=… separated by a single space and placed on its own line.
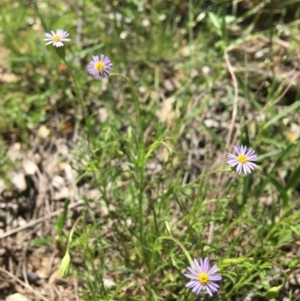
x=45 y=167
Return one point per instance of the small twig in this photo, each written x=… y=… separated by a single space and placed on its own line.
x=234 y=111
x=23 y=284
x=233 y=117
x=291 y=83
x=51 y=264
x=236 y=94
x=39 y=220
x=76 y=289
x=189 y=164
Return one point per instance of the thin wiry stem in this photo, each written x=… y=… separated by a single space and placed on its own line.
x=235 y=106
x=77 y=90
x=23 y=284
x=236 y=97
x=185 y=251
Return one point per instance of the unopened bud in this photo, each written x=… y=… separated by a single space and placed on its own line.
x=168 y=229
x=65 y=265
x=273 y=292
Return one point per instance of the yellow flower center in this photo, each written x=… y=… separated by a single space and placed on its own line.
x=56 y=38
x=203 y=278
x=99 y=66
x=242 y=159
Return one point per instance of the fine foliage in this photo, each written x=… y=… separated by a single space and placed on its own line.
x=172 y=88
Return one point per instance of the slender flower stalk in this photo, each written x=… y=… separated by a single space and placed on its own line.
x=243 y=159
x=135 y=98
x=77 y=89
x=203 y=277
x=100 y=66
x=56 y=38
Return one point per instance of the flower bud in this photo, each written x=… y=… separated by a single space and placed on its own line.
x=273 y=292
x=65 y=265
x=168 y=229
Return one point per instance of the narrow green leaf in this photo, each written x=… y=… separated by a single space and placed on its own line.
x=281 y=114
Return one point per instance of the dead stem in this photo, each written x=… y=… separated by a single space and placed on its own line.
x=23 y=284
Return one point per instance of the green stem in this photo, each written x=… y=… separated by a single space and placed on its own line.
x=185 y=251
x=285 y=275
x=90 y=135
x=237 y=261
x=71 y=233
x=216 y=171
x=141 y=151
x=76 y=90
x=135 y=98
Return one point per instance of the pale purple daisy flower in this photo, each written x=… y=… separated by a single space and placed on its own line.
x=203 y=277
x=56 y=38
x=100 y=65
x=242 y=159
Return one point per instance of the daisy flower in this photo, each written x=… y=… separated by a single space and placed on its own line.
x=100 y=65
x=56 y=39
x=203 y=277
x=242 y=159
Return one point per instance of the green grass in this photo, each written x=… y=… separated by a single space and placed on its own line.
x=162 y=184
